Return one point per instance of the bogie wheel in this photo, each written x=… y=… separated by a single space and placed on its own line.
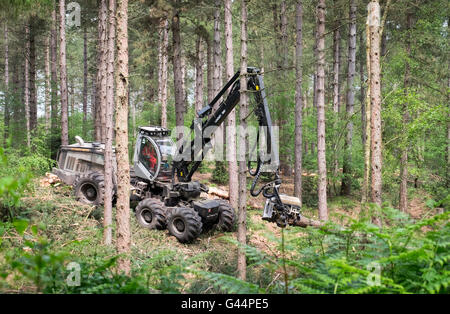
x=226 y=216
x=90 y=188
x=185 y=224
x=150 y=213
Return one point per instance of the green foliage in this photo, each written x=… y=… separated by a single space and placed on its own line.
x=220 y=173
x=309 y=190
x=362 y=258
x=14 y=180
x=35 y=261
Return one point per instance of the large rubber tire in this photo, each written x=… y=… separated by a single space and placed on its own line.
x=226 y=216
x=185 y=224
x=90 y=188
x=151 y=214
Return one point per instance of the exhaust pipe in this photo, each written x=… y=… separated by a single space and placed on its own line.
x=79 y=140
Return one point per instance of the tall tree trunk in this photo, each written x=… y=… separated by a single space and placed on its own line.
x=15 y=96
x=199 y=61
x=47 y=84
x=336 y=87
x=209 y=70
x=336 y=66
x=123 y=166
x=32 y=78
x=63 y=73
x=163 y=55
x=217 y=50
x=242 y=208
x=448 y=125
x=231 y=130
x=109 y=111
x=347 y=165
x=54 y=75
x=285 y=163
x=277 y=31
x=367 y=146
x=218 y=138
x=177 y=75
x=321 y=159
x=362 y=91
x=403 y=193
x=93 y=96
x=7 y=91
x=85 y=80
x=100 y=99
x=27 y=84
x=298 y=101
x=71 y=99
x=375 y=95
x=183 y=78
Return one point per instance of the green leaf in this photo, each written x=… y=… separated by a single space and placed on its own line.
x=20 y=226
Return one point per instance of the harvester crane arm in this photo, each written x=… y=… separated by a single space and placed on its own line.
x=185 y=165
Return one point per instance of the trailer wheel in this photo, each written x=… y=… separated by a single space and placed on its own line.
x=90 y=188
x=185 y=224
x=226 y=216
x=150 y=214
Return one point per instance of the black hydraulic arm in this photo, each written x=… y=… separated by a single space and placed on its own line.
x=186 y=166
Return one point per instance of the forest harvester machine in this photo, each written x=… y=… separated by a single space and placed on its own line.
x=161 y=176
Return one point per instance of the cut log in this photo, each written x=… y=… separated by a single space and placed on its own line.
x=49 y=179
x=218 y=192
x=306 y=222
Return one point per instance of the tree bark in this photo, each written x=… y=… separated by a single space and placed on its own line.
x=63 y=73
x=403 y=193
x=109 y=111
x=362 y=91
x=27 y=84
x=336 y=66
x=123 y=167
x=93 y=96
x=54 y=74
x=217 y=76
x=242 y=208
x=177 y=75
x=347 y=165
x=47 y=84
x=163 y=56
x=7 y=91
x=32 y=75
x=285 y=163
x=298 y=101
x=375 y=98
x=367 y=147
x=336 y=86
x=321 y=158
x=231 y=130
x=100 y=99
x=209 y=70
x=85 y=80
x=199 y=61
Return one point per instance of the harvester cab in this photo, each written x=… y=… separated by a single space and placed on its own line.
x=153 y=154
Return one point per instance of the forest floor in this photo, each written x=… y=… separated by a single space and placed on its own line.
x=77 y=229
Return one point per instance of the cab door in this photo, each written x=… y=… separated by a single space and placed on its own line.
x=147 y=158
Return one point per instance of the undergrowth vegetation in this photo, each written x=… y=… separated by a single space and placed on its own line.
x=38 y=251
